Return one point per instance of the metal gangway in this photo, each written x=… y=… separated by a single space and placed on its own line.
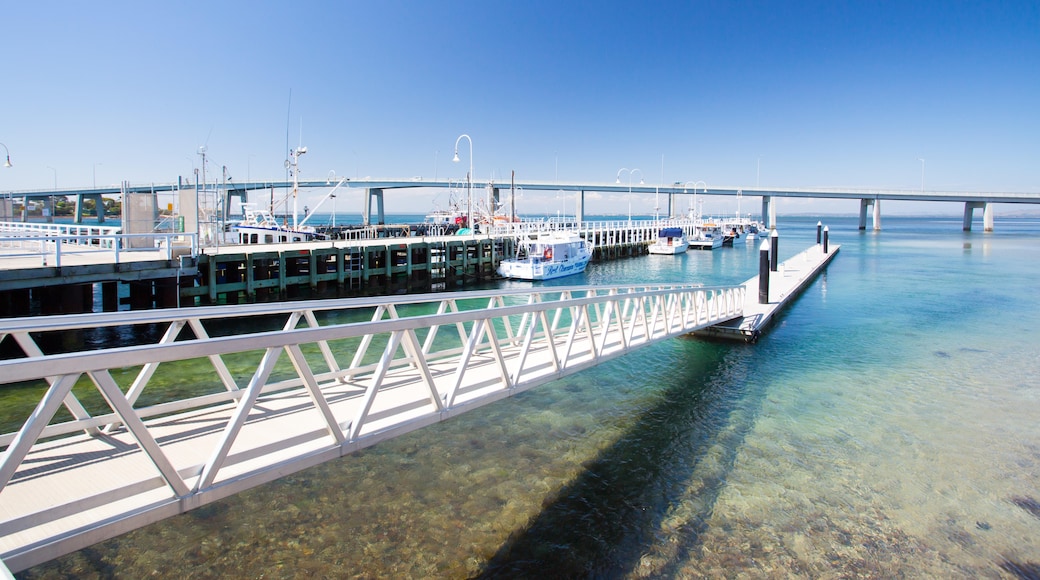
x=265 y=390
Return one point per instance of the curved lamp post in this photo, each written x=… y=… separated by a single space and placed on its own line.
x=695 y=183
x=469 y=180
x=618 y=180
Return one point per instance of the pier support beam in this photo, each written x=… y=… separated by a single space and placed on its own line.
x=774 y=249
x=987 y=215
x=763 y=273
x=371 y=194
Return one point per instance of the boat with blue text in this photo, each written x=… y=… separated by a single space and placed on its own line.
x=547 y=255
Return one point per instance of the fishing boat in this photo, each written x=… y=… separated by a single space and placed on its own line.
x=258 y=226
x=705 y=239
x=547 y=255
x=670 y=241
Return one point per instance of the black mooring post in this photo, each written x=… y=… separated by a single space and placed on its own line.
x=826 y=234
x=763 y=273
x=774 y=240
x=818 y=226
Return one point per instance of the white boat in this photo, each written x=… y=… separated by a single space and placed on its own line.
x=670 y=241
x=258 y=226
x=706 y=239
x=547 y=255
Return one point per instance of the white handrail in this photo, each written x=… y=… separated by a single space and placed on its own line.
x=479 y=347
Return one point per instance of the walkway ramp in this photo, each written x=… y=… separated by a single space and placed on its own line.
x=267 y=390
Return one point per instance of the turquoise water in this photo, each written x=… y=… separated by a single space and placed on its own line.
x=885 y=427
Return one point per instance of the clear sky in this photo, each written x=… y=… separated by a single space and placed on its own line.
x=785 y=94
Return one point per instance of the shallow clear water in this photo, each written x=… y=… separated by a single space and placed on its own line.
x=884 y=427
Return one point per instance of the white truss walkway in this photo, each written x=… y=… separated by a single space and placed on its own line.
x=119 y=451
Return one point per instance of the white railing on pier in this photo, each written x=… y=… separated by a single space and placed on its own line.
x=38 y=229
x=633 y=231
x=51 y=249
x=355 y=372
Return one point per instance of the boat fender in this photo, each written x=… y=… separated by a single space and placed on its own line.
x=547 y=254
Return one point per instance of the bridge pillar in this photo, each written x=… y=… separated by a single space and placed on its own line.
x=241 y=194
x=863 y=205
x=987 y=215
x=877 y=215
x=580 y=211
x=768 y=213
x=371 y=194
x=99 y=206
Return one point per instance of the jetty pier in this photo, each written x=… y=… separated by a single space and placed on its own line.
x=198 y=403
x=77 y=269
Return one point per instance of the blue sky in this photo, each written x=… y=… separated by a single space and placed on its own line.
x=788 y=94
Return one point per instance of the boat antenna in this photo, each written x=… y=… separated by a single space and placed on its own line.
x=288 y=113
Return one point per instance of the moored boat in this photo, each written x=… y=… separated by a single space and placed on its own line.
x=706 y=240
x=670 y=241
x=547 y=255
x=258 y=226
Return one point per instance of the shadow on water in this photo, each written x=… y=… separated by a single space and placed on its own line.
x=680 y=450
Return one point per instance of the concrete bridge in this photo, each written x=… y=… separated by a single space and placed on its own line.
x=375 y=190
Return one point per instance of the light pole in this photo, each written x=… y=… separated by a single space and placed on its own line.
x=618 y=180
x=693 y=204
x=922 y=173
x=469 y=180
x=7 y=163
x=294 y=155
x=50 y=198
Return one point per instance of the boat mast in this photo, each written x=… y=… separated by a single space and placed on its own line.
x=294 y=156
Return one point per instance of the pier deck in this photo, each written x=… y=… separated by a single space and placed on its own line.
x=791 y=277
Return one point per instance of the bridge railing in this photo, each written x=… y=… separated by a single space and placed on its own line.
x=355 y=371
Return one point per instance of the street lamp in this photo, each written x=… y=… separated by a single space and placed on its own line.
x=694 y=203
x=50 y=198
x=8 y=164
x=294 y=164
x=618 y=180
x=469 y=179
